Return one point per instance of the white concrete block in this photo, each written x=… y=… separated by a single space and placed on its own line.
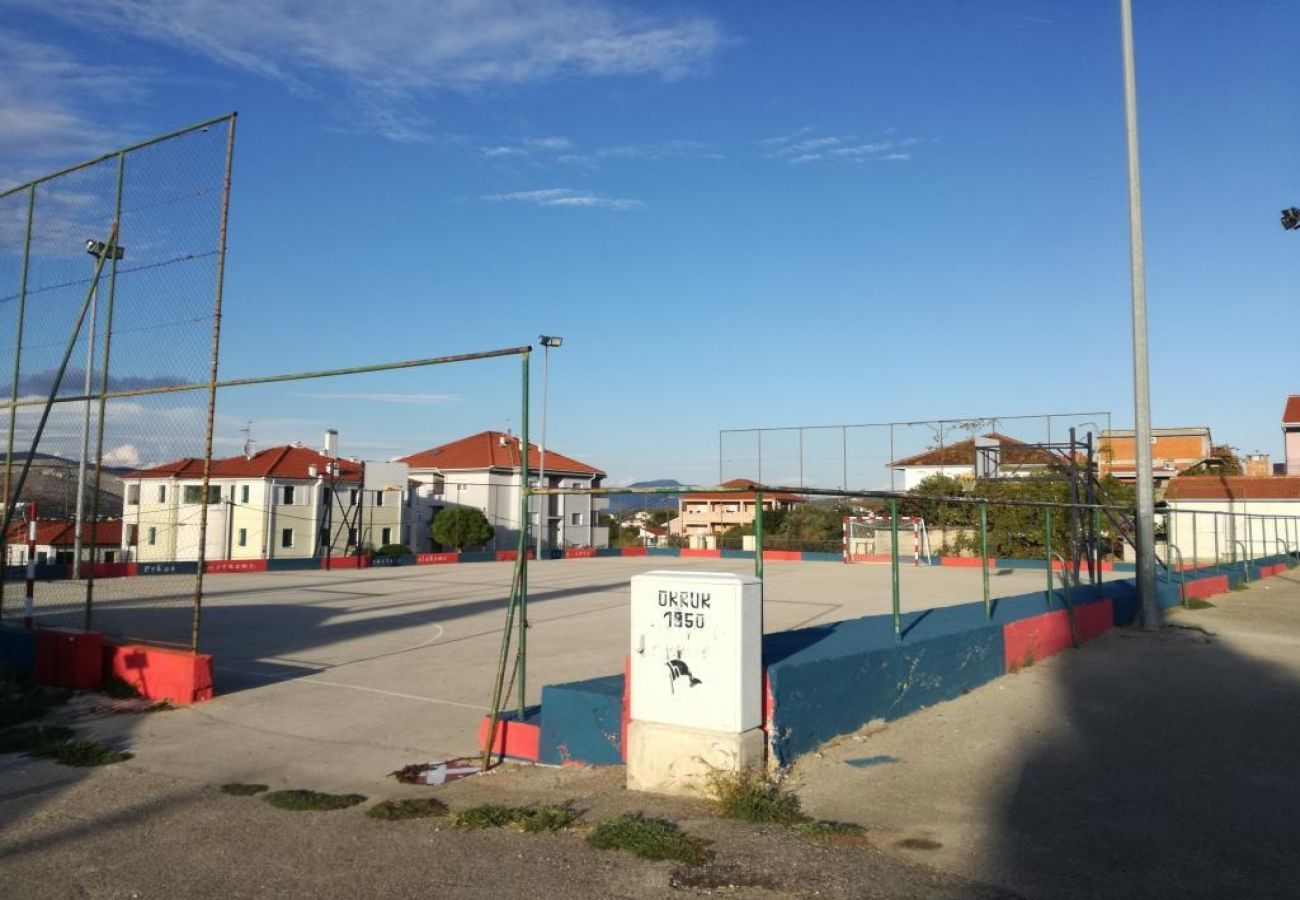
x=671 y=759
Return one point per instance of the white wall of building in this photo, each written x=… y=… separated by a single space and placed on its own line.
x=1274 y=523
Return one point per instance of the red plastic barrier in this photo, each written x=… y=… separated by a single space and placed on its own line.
x=783 y=555
x=176 y=676
x=221 y=566
x=436 y=559
x=632 y=551
x=702 y=554
x=1206 y=587
x=69 y=658
x=580 y=553
x=520 y=740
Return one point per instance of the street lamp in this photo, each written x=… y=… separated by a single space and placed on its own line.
x=98 y=250
x=1291 y=218
x=547 y=341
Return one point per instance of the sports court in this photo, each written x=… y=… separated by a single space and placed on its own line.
x=341 y=677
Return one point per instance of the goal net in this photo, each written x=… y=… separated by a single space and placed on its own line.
x=867 y=539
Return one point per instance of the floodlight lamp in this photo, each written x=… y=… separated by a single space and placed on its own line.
x=99 y=248
x=549 y=340
x=1291 y=218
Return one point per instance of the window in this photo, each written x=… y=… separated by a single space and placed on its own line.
x=575 y=518
x=243 y=493
x=379 y=498
x=133 y=495
x=162 y=493
x=286 y=537
x=288 y=495
x=153 y=536
x=352 y=497
x=385 y=537
x=193 y=492
x=352 y=537
x=326 y=496
x=243 y=537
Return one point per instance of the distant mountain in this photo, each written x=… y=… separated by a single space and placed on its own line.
x=52 y=484
x=625 y=503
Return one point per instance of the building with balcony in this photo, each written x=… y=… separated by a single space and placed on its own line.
x=713 y=512
x=482 y=471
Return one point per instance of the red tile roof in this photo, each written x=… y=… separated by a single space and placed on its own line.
x=286 y=461
x=492 y=450
x=742 y=495
x=1291 y=415
x=62 y=532
x=1234 y=487
x=962 y=453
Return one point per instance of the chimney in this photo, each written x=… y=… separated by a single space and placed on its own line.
x=332 y=443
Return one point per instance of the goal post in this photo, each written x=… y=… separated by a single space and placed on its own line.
x=866 y=539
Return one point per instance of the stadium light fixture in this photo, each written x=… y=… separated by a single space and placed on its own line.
x=1291 y=218
x=549 y=340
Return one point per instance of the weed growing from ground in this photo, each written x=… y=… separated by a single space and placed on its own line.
x=417 y=808
x=530 y=819
x=243 y=790
x=752 y=796
x=303 y=801
x=649 y=839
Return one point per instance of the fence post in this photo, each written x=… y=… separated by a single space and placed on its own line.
x=984 y=556
x=1047 y=552
x=1196 y=560
x=893 y=567
x=1215 y=518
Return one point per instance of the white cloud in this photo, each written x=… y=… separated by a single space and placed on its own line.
x=125 y=456
x=564 y=197
x=398 y=399
x=390 y=52
x=800 y=149
x=48 y=105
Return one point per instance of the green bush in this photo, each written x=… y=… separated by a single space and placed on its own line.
x=649 y=839
x=393 y=550
x=461 y=527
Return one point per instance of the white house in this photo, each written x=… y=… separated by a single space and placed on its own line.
x=283 y=502
x=482 y=471
x=1200 y=528
x=1014 y=458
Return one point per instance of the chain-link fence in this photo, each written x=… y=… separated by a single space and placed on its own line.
x=110 y=295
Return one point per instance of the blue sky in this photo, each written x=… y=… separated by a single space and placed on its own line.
x=735 y=214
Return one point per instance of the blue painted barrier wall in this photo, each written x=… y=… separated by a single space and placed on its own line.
x=583 y=720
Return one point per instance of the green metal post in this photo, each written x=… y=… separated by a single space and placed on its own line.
x=525 y=525
x=8 y=499
x=984 y=557
x=893 y=567
x=1047 y=534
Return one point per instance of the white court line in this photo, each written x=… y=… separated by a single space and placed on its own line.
x=351 y=687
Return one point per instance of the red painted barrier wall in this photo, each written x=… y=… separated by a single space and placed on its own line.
x=436 y=559
x=783 y=555
x=702 y=554
x=176 y=676
x=109 y=570
x=633 y=551
x=580 y=553
x=1030 y=640
x=222 y=566
x=512 y=555
x=347 y=562
x=965 y=562
x=1206 y=587
x=520 y=740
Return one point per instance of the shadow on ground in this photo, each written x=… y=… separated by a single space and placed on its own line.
x=1176 y=775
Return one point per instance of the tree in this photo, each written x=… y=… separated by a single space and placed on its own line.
x=1223 y=460
x=461 y=527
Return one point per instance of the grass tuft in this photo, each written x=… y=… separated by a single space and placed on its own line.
x=57 y=743
x=238 y=789
x=22 y=700
x=304 y=801
x=1198 y=603
x=119 y=689
x=751 y=796
x=844 y=834
x=649 y=839
x=530 y=819
x=419 y=808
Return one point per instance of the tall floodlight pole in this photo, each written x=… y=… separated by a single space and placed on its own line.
x=547 y=341
x=1146 y=500
x=96 y=249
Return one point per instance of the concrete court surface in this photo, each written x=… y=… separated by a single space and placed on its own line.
x=1147 y=764
x=334 y=679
